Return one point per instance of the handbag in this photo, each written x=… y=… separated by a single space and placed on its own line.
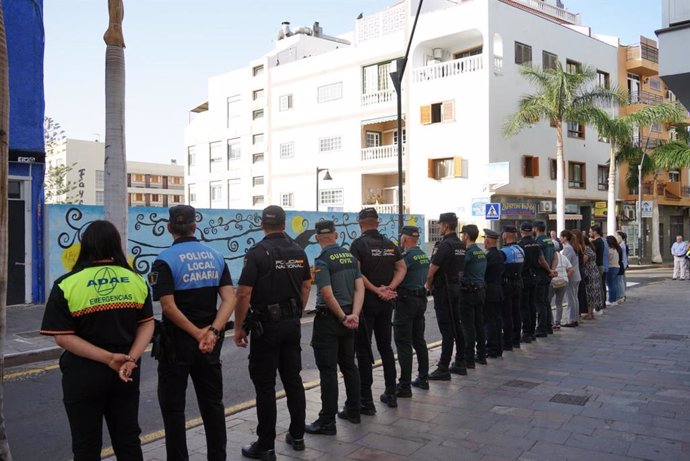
x=559 y=282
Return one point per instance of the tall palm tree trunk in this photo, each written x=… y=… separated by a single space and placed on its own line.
x=611 y=198
x=560 y=188
x=5 y=453
x=115 y=168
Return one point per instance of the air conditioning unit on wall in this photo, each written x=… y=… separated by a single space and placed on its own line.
x=545 y=206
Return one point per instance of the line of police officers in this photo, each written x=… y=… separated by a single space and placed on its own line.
x=485 y=302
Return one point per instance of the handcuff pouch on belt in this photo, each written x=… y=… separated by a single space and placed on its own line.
x=163 y=348
x=472 y=287
x=414 y=292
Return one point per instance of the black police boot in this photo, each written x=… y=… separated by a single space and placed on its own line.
x=441 y=373
x=421 y=383
x=480 y=360
x=525 y=339
x=367 y=408
x=389 y=399
x=403 y=391
x=458 y=368
x=350 y=415
x=297 y=444
x=320 y=427
x=254 y=451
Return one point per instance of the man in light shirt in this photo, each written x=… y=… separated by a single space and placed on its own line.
x=678 y=250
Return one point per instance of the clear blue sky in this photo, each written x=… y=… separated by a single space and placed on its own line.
x=174 y=46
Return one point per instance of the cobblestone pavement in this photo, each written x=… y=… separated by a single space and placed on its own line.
x=615 y=388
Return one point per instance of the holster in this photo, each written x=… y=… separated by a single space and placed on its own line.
x=163 y=348
x=252 y=325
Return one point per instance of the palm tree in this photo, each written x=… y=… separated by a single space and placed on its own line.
x=561 y=97
x=4 y=156
x=115 y=168
x=669 y=156
x=619 y=131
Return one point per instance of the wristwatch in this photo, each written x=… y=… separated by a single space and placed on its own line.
x=344 y=318
x=214 y=330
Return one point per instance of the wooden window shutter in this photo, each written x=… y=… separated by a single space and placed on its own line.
x=524 y=166
x=430 y=168
x=535 y=166
x=425 y=115
x=447 y=111
x=457 y=167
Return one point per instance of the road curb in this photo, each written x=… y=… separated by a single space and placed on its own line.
x=37 y=355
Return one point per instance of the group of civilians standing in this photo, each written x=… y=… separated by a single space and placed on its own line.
x=486 y=301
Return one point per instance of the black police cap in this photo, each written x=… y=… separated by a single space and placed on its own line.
x=368 y=212
x=510 y=229
x=488 y=233
x=526 y=226
x=273 y=215
x=411 y=231
x=448 y=218
x=182 y=214
x=325 y=227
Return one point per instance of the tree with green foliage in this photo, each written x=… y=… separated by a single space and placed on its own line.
x=561 y=97
x=668 y=156
x=57 y=187
x=619 y=131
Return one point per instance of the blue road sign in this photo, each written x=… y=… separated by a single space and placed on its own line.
x=492 y=211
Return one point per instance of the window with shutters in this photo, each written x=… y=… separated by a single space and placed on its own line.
x=602 y=177
x=448 y=167
x=234 y=149
x=330 y=92
x=330 y=144
x=530 y=166
x=285 y=102
x=287 y=199
x=553 y=165
x=603 y=79
x=576 y=175
x=523 y=53
x=572 y=67
x=216 y=155
x=372 y=138
x=287 y=150
x=437 y=113
x=548 y=60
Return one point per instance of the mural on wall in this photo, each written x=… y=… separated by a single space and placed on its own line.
x=231 y=232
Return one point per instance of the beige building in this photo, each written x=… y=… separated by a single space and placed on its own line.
x=148 y=184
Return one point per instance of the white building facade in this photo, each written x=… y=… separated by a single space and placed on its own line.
x=148 y=184
x=269 y=131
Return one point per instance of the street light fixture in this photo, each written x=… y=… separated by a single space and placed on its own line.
x=327 y=177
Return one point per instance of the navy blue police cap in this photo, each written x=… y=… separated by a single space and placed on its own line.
x=182 y=214
x=526 y=226
x=491 y=234
x=273 y=215
x=412 y=231
x=448 y=218
x=510 y=229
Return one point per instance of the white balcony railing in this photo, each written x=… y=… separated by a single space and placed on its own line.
x=381 y=152
x=448 y=68
x=383 y=207
x=378 y=97
x=551 y=10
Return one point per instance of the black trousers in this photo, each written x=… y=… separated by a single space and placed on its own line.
x=408 y=331
x=207 y=378
x=278 y=348
x=528 y=310
x=472 y=317
x=92 y=391
x=449 y=334
x=334 y=346
x=493 y=326
x=375 y=319
x=510 y=309
x=543 y=307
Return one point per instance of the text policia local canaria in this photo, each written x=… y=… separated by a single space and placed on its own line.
x=201 y=266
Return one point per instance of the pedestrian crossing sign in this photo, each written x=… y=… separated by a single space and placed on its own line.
x=492 y=211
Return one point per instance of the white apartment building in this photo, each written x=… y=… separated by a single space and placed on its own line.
x=148 y=184
x=324 y=103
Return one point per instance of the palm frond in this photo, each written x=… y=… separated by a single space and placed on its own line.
x=672 y=155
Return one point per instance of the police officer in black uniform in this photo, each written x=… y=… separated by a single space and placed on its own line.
x=443 y=280
x=408 y=320
x=382 y=271
x=275 y=280
x=512 y=288
x=338 y=305
x=472 y=295
x=534 y=260
x=187 y=279
x=493 y=277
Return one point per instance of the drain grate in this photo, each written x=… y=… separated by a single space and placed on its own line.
x=667 y=337
x=29 y=334
x=570 y=399
x=521 y=384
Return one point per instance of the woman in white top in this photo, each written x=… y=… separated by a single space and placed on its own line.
x=612 y=272
x=563 y=269
x=574 y=278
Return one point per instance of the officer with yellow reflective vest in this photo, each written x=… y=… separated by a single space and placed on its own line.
x=101 y=314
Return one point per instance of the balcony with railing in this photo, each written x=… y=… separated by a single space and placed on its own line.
x=646 y=142
x=670 y=190
x=644 y=97
x=560 y=14
x=380 y=191
x=643 y=58
x=447 y=69
x=378 y=97
x=381 y=152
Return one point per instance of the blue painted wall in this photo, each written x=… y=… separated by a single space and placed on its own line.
x=231 y=232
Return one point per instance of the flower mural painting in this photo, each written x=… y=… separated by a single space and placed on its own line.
x=231 y=232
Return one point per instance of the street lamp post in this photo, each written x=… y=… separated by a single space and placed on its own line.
x=327 y=177
x=640 y=240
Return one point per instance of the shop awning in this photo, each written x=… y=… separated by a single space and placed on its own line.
x=568 y=217
x=386 y=118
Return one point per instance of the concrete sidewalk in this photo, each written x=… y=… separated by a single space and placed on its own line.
x=616 y=388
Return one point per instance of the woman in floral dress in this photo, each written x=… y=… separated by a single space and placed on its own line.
x=592 y=279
